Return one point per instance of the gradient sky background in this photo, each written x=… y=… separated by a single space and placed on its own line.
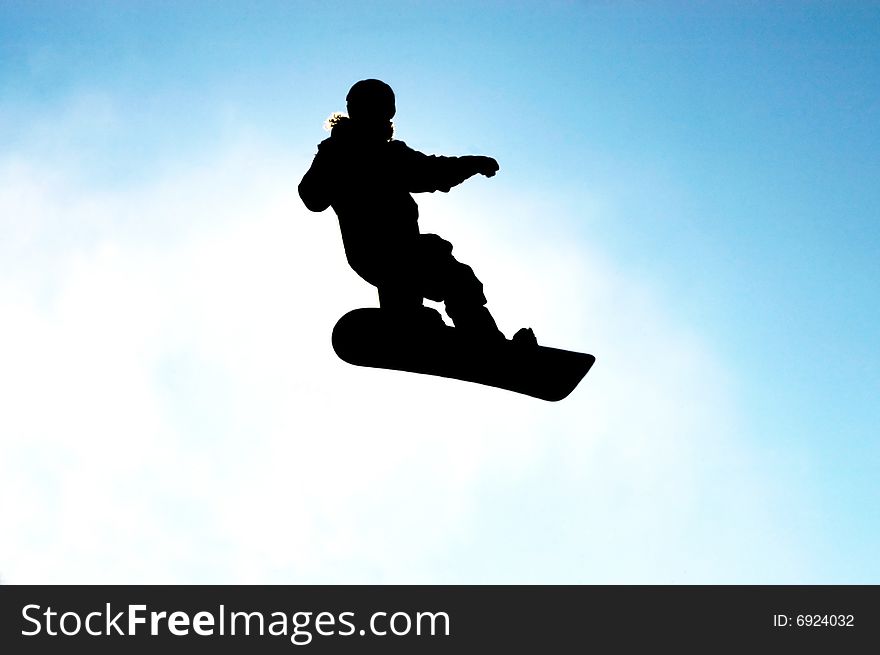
x=689 y=191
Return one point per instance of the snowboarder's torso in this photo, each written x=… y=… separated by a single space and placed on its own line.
x=368 y=180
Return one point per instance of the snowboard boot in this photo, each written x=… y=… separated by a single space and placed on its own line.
x=476 y=322
x=404 y=308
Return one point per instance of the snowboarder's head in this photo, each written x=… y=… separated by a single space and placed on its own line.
x=371 y=101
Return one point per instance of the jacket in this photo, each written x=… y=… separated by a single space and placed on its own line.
x=368 y=180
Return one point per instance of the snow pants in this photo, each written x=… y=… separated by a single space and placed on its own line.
x=428 y=270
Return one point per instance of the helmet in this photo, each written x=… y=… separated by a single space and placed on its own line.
x=371 y=100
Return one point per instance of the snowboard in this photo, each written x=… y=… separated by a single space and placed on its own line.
x=375 y=338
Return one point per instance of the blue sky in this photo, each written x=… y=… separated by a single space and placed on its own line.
x=688 y=191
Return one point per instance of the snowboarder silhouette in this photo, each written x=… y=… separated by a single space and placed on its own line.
x=367 y=177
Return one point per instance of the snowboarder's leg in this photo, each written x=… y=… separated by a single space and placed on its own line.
x=397 y=298
x=447 y=279
x=466 y=302
x=405 y=306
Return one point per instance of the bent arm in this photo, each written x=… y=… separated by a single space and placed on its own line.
x=314 y=189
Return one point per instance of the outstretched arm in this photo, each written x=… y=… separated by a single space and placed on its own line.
x=422 y=172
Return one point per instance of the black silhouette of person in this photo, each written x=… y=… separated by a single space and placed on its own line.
x=368 y=177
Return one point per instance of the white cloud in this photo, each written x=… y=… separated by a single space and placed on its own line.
x=174 y=411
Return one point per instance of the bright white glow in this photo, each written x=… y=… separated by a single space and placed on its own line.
x=173 y=411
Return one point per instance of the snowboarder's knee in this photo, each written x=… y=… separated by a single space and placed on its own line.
x=434 y=247
x=464 y=286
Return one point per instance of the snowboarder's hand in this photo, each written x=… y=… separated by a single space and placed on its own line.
x=482 y=165
x=486 y=166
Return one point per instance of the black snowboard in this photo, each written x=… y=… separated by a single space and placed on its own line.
x=372 y=337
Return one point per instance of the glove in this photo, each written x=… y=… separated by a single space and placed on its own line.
x=484 y=165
